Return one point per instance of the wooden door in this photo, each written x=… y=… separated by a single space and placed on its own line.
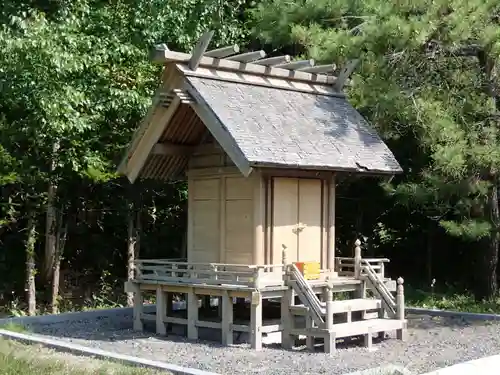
x=297 y=219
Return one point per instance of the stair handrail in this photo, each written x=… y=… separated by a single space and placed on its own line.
x=380 y=288
x=367 y=267
x=310 y=297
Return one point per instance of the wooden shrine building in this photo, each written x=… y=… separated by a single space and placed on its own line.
x=260 y=141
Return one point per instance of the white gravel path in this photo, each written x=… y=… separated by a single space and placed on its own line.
x=431 y=343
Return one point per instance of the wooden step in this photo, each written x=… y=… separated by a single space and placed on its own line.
x=367 y=326
x=349 y=305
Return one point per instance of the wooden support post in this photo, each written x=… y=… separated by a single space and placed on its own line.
x=227 y=319
x=309 y=337
x=330 y=255
x=330 y=338
x=161 y=309
x=287 y=319
x=357 y=259
x=192 y=315
x=368 y=340
x=219 y=306
x=138 y=307
x=400 y=307
x=170 y=308
x=361 y=291
x=330 y=343
x=256 y=321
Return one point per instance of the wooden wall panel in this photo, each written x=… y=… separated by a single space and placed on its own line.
x=206 y=237
x=203 y=220
x=239 y=188
x=205 y=189
x=310 y=218
x=239 y=234
x=209 y=155
x=285 y=216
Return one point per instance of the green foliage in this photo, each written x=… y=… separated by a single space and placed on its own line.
x=451 y=300
x=428 y=81
x=75 y=80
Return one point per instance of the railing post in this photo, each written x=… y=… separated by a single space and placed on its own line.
x=400 y=308
x=400 y=299
x=284 y=260
x=329 y=308
x=284 y=255
x=382 y=270
x=174 y=268
x=257 y=275
x=357 y=259
x=330 y=339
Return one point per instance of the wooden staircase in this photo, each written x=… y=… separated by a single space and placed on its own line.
x=321 y=317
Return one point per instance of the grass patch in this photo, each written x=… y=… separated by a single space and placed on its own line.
x=13 y=327
x=20 y=359
x=450 y=300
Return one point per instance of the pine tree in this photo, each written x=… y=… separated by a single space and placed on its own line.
x=429 y=81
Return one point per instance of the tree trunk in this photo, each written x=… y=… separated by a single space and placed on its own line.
x=487 y=285
x=30 y=265
x=428 y=263
x=59 y=249
x=50 y=224
x=133 y=243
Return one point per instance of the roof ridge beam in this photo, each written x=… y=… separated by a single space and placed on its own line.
x=319 y=68
x=296 y=65
x=248 y=57
x=223 y=52
x=272 y=61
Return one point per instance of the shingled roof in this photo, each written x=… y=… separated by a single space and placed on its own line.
x=280 y=128
x=263 y=119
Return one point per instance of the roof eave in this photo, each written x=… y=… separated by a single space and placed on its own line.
x=365 y=172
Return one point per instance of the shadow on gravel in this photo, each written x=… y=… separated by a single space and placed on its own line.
x=120 y=329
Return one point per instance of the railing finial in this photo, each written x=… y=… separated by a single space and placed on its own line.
x=284 y=255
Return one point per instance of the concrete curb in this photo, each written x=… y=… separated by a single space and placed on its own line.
x=383 y=370
x=74 y=316
x=481 y=366
x=87 y=351
x=451 y=314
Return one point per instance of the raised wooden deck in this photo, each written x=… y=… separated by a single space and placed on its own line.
x=299 y=298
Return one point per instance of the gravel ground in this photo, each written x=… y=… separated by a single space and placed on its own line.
x=431 y=343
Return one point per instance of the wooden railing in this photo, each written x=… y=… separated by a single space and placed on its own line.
x=172 y=271
x=372 y=270
x=347 y=266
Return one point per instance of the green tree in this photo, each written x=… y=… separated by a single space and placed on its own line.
x=428 y=80
x=75 y=80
